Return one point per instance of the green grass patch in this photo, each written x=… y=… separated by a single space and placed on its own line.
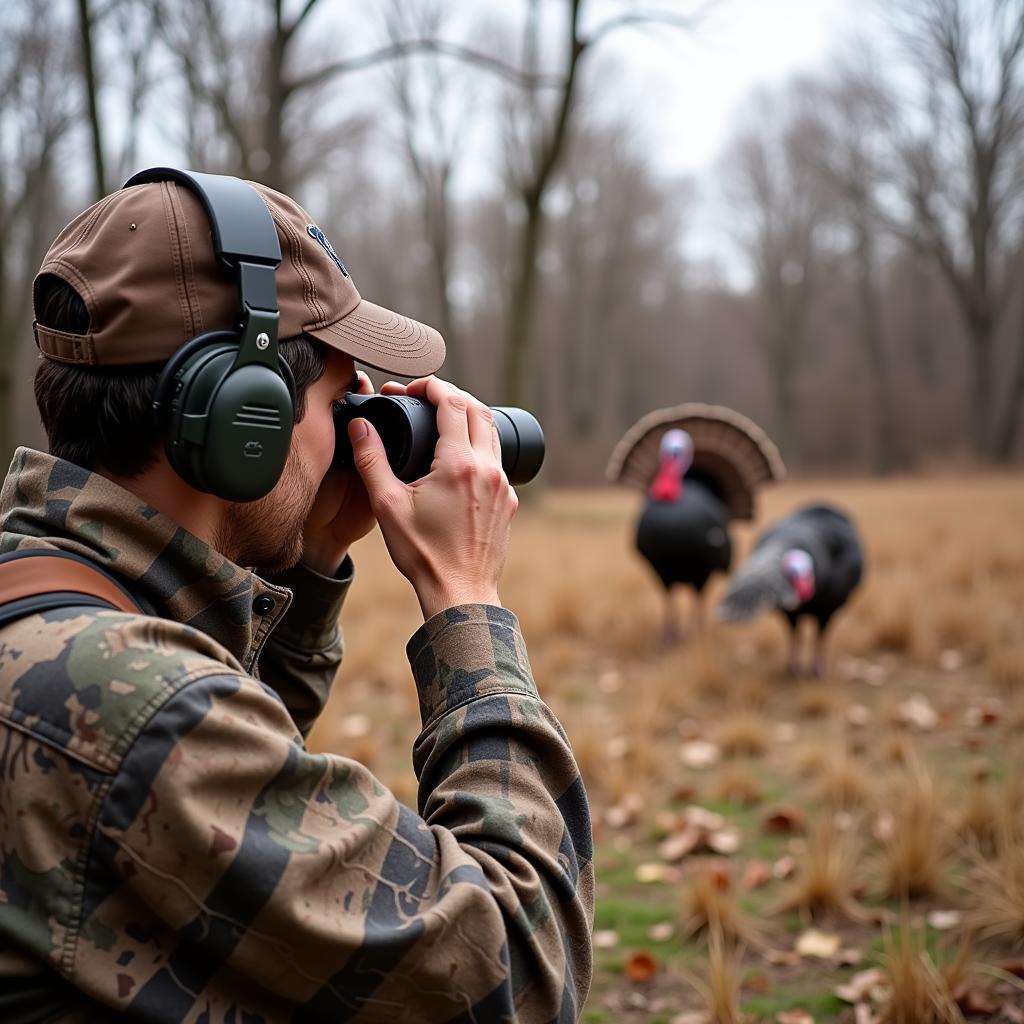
x=820 y=1005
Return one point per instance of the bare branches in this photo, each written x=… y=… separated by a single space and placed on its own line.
x=650 y=17
x=411 y=47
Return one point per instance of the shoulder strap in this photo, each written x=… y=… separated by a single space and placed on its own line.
x=38 y=580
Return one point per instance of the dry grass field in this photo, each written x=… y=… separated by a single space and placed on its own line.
x=850 y=849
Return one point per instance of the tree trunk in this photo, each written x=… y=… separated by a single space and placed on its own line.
x=273 y=123
x=523 y=296
x=888 y=450
x=981 y=385
x=91 y=93
x=785 y=406
x=1009 y=428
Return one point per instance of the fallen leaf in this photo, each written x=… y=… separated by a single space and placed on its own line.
x=951 y=660
x=610 y=681
x=640 y=966
x=720 y=875
x=863 y=985
x=848 y=957
x=626 y=811
x=863 y=1014
x=758 y=983
x=677 y=846
x=756 y=874
x=783 y=868
x=794 y=1017
x=884 y=827
x=974 y=1001
x=1012 y=1013
x=606 y=938
x=684 y=793
x=703 y=818
x=650 y=872
x=783 y=821
x=943 y=920
x=691 y=1017
x=820 y=945
x=858 y=715
x=725 y=840
x=661 y=932
x=917 y=713
x=875 y=675
x=700 y=754
x=786 y=732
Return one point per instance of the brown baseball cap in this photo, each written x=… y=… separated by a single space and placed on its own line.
x=142 y=260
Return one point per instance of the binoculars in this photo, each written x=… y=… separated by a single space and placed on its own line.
x=408 y=429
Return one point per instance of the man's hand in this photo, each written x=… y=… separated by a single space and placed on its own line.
x=447 y=532
x=340 y=516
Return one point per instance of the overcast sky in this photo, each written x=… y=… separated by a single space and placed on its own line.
x=700 y=80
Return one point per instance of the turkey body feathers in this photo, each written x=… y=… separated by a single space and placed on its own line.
x=829 y=537
x=685 y=541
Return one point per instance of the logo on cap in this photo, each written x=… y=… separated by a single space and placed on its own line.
x=315 y=233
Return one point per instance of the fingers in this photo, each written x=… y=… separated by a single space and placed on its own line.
x=452 y=410
x=495 y=441
x=393 y=388
x=462 y=420
x=365 y=384
x=371 y=462
x=481 y=429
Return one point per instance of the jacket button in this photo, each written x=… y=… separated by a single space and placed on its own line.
x=263 y=605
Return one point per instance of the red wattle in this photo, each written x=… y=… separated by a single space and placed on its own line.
x=668 y=484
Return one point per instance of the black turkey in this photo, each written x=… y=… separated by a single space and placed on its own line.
x=806 y=565
x=699 y=466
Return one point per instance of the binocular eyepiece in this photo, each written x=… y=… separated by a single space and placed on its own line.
x=408 y=429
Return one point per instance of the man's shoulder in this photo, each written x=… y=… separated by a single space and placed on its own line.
x=87 y=680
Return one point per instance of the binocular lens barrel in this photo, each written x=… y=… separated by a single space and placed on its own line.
x=408 y=429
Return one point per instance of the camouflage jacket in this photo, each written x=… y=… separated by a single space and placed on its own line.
x=171 y=851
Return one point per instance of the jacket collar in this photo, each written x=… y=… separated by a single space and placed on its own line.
x=48 y=502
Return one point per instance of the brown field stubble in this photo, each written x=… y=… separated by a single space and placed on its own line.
x=926 y=674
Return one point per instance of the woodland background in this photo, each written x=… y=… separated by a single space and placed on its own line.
x=477 y=166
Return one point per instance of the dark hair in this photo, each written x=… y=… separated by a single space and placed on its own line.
x=103 y=416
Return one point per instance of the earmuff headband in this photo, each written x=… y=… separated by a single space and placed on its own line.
x=226 y=399
x=245 y=241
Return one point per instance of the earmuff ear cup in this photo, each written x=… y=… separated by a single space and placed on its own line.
x=226 y=431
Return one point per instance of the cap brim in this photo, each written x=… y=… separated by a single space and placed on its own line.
x=385 y=340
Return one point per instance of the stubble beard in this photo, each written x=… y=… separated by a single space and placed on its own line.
x=267 y=533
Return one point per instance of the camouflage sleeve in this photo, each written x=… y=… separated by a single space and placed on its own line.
x=289 y=885
x=303 y=653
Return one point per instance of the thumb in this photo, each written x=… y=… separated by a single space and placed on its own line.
x=371 y=460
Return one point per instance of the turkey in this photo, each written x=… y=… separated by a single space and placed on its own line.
x=806 y=565
x=700 y=467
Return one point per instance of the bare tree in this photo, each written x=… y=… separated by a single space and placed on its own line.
x=540 y=129
x=435 y=110
x=86 y=29
x=36 y=114
x=119 y=36
x=612 y=264
x=845 y=137
x=960 y=190
x=778 y=210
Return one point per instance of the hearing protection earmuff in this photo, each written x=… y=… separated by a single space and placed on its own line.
x=225 y=400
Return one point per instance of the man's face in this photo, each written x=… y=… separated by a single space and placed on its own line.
x=268 y=533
